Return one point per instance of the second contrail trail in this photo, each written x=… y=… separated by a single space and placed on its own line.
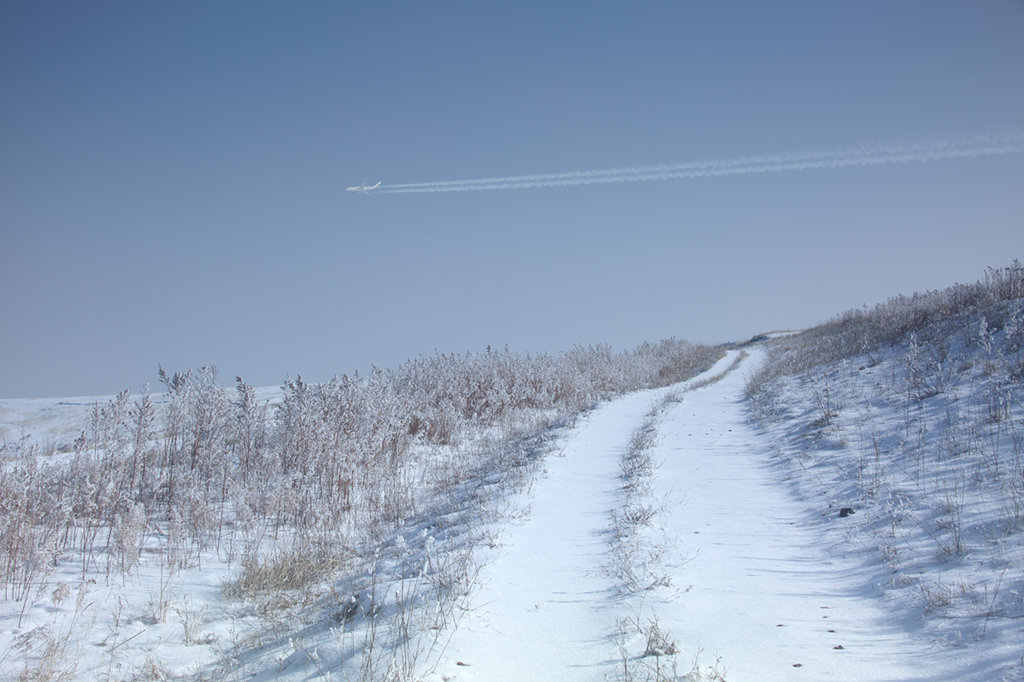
x=906 y=151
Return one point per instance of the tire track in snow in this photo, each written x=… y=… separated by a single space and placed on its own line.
x=766 y=597
x=544 y=609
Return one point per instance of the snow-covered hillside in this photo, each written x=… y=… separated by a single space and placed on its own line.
x=841 y=503
x=911 y=416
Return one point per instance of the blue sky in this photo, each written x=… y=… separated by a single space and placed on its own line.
x=172 y=176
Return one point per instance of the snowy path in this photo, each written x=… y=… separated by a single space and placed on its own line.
x=542 y=612
x=756 y=592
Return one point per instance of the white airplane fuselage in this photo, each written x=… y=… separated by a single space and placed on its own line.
x=364 y=188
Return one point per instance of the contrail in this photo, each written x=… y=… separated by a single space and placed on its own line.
x=906 y=151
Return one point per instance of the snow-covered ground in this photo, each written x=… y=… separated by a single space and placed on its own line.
x=770 y=590
x=660 y=535
x=759 y=587
x=923 y=436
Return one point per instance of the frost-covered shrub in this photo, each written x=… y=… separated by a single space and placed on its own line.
x=33 y=519
x=127 y=536
x=331 y=464
x=927 y=316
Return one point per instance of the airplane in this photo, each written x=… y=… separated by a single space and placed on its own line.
x=363 y=188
